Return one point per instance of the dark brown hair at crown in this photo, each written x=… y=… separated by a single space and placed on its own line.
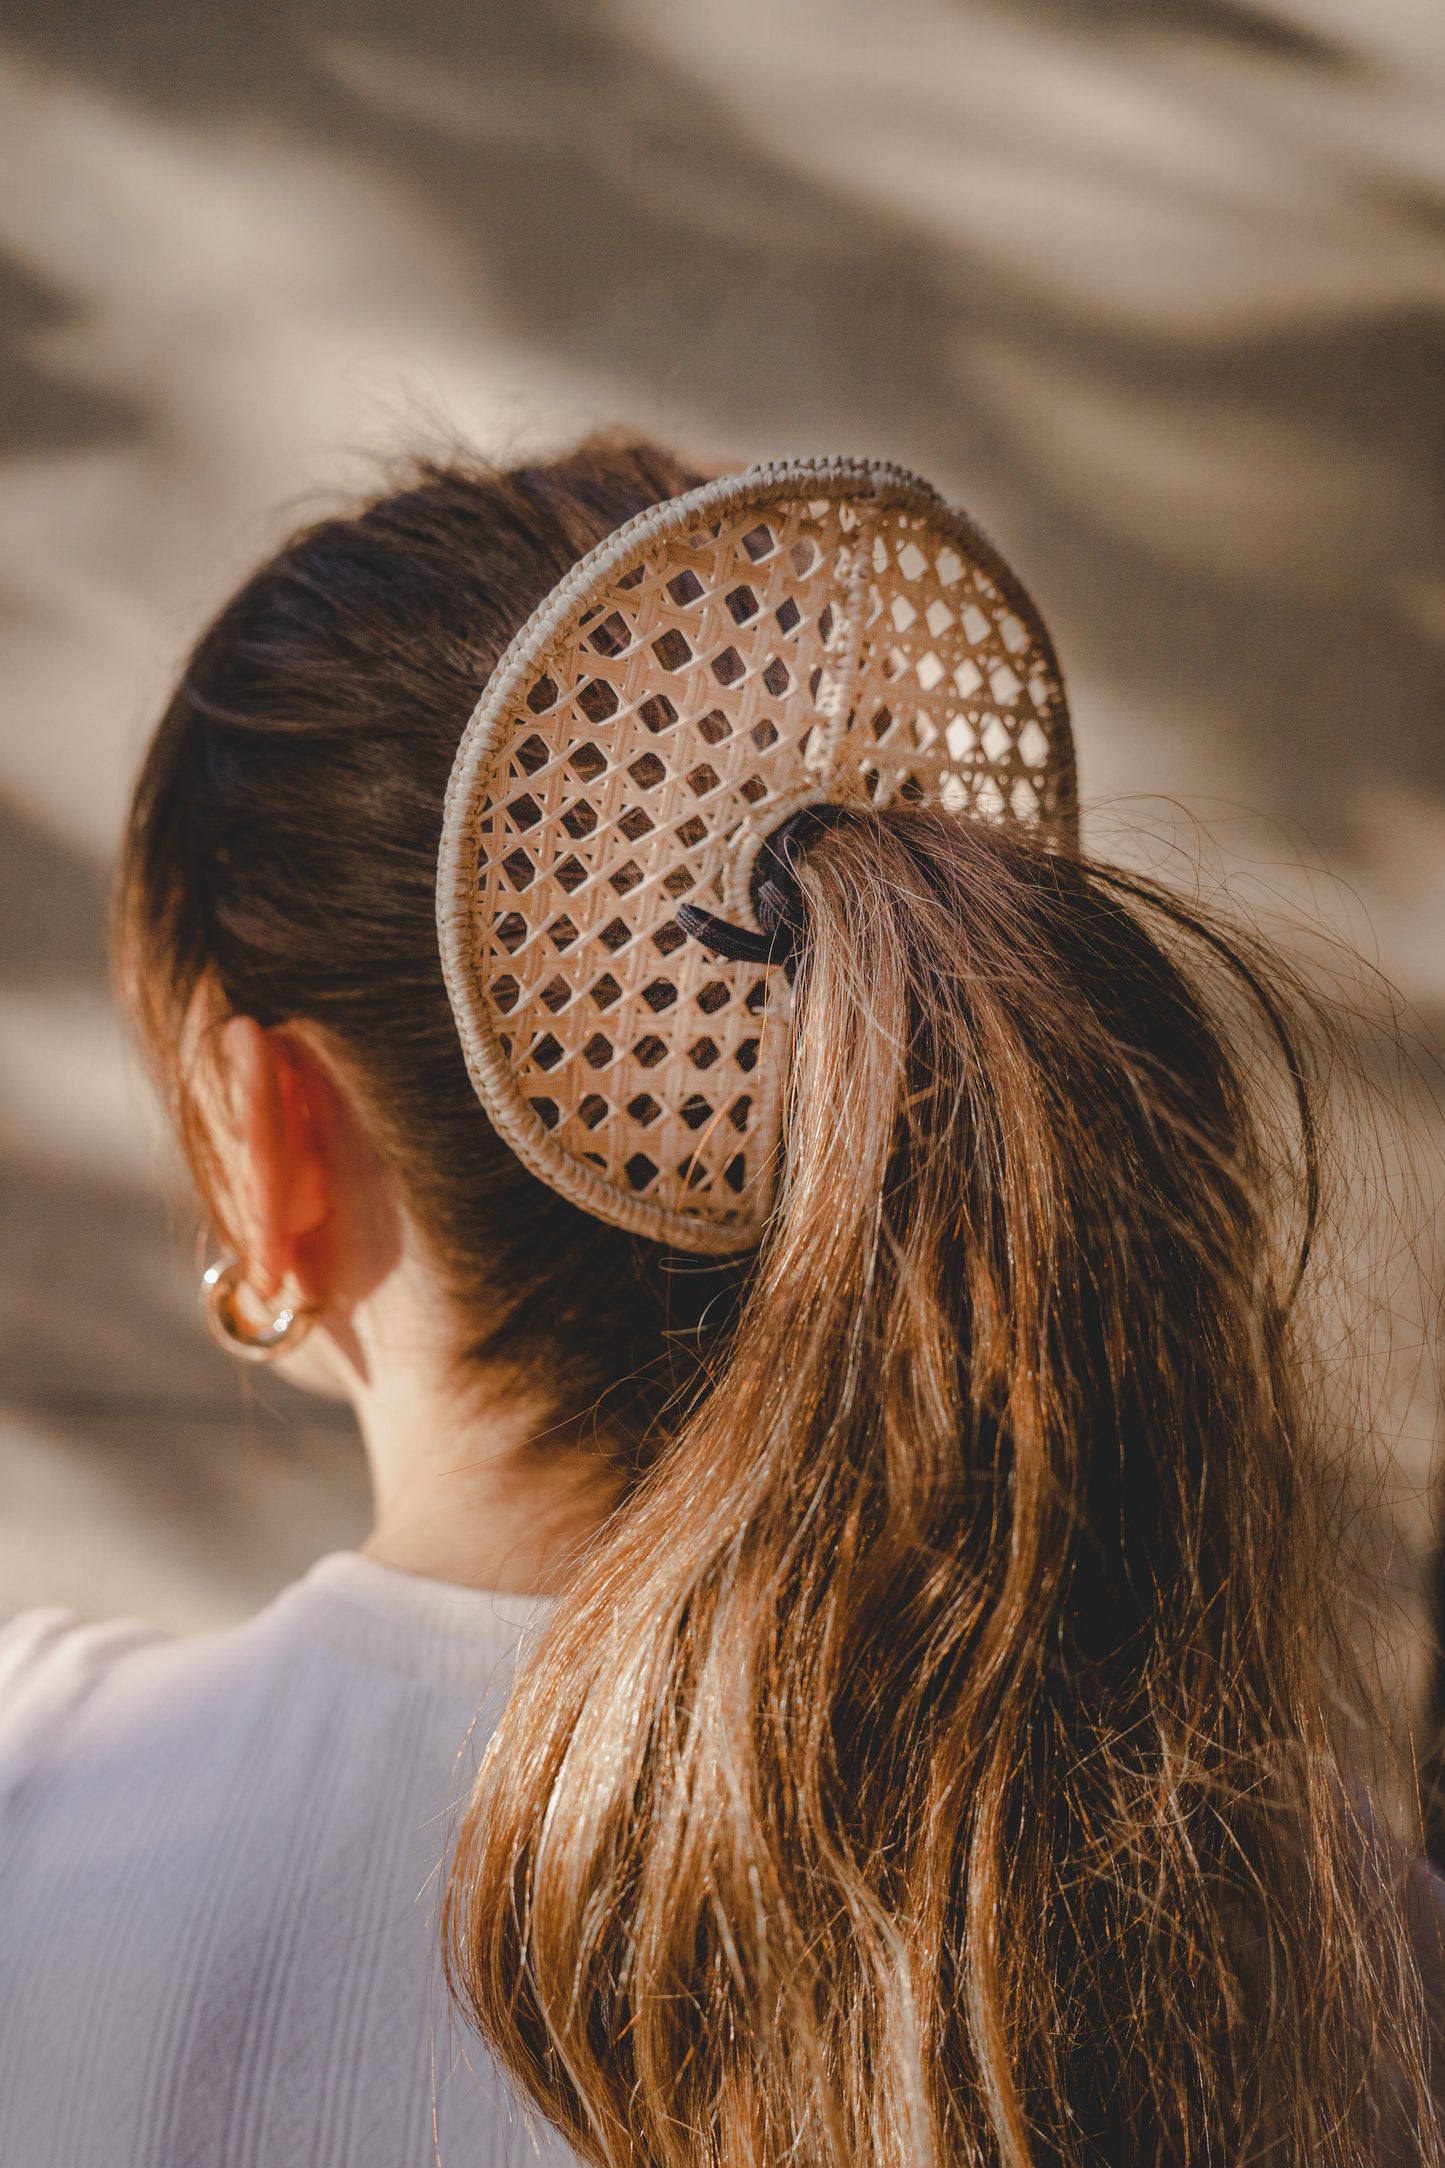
x=281 y=857
x=929 y=1763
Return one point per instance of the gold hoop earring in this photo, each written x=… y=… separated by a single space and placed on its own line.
x=221 y=1284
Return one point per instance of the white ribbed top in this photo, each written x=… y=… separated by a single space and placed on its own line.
x=218 y=1882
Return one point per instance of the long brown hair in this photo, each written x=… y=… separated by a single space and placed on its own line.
x=930 y=1762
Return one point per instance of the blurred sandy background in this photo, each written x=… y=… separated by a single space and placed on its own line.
x=1155 y=287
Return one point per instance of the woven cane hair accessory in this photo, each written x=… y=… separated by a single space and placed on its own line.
x=809 y=635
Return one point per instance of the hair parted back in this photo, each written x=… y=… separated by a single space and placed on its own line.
x=930 y=1762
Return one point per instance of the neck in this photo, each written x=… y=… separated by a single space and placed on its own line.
x=477 y=1490
x=473 y=1481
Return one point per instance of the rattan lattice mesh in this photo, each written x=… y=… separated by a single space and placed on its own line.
x=819 y=630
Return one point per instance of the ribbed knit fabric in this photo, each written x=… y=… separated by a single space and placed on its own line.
x=219 y=1867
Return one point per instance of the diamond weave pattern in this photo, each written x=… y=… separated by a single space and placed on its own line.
x=823 y=648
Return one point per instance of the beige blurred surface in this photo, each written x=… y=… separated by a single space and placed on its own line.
x=1155 y=287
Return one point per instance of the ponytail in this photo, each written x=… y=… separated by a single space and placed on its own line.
x=930 y=1761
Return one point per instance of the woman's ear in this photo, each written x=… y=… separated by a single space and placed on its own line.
x=282 y=1114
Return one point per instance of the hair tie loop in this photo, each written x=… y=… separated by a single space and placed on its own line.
x=774 y=893
x=738 y=943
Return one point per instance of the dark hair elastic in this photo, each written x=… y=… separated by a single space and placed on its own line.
x=774 y=893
